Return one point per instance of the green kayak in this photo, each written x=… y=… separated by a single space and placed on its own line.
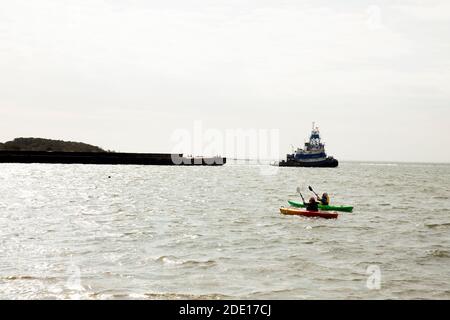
x=322 y=207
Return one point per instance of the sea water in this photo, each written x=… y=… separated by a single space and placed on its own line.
x=154 y=232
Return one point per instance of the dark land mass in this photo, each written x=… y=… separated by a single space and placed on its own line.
x=37 y=150
x=39 y=144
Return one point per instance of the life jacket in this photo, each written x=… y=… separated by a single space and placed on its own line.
x=325 y=200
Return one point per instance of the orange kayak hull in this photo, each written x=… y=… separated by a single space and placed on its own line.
x=305 y=213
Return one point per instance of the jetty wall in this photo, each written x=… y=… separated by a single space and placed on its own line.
x=108 y=158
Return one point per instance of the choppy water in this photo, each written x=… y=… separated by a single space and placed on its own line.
x=69 y=231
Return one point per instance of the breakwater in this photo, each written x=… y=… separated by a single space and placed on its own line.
x=108 y=158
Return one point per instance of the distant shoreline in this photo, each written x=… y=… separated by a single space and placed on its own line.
x=350 y=161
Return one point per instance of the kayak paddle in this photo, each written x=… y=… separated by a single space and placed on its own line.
x=299 y=191
x=311 y=189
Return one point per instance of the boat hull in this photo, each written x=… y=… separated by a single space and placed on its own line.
x=310 y=214
x=298 y=204
x=326 y=163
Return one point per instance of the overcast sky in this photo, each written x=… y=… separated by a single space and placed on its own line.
x=124 y=75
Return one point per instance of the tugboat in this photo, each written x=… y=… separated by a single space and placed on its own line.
x=313 y=155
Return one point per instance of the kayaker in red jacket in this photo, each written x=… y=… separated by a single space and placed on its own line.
x=312 y=205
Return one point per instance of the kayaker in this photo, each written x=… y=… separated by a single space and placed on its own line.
x=312 y=205
x=325 y=200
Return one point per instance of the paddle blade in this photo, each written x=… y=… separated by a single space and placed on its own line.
x=298 y=190
x=310 y=189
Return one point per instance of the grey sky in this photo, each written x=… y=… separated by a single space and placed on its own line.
x=124 y=75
